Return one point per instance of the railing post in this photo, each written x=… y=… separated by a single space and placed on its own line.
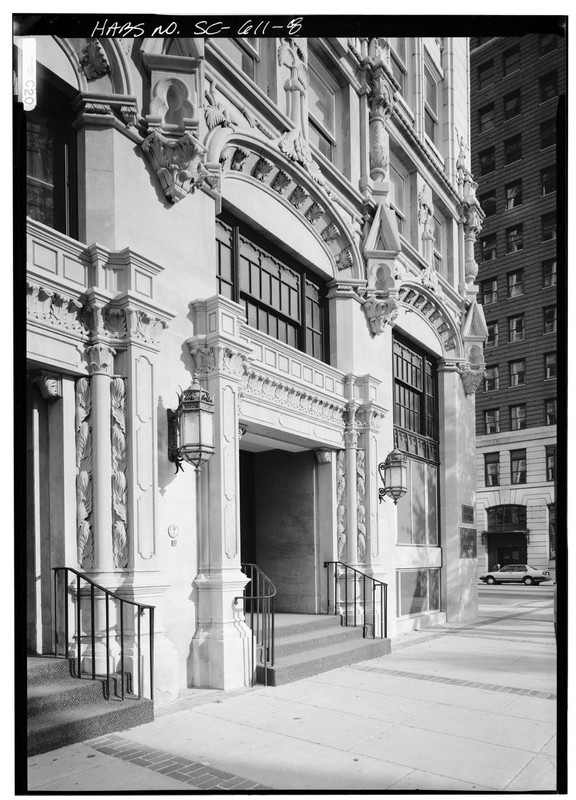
x=122 y=645
x=107 y=646
x=78 y=627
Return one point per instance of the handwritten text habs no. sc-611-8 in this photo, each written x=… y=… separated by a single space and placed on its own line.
x=201 y=27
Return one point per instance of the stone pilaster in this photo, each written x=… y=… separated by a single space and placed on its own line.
x=221 y=645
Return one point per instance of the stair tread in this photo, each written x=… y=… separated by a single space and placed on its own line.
x=319 y=635
x=62 y=685
x=94 y=709
x=321 y=653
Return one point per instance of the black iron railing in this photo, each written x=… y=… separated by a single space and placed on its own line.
x=124 y=631
x=360 y=599
x=258 y=599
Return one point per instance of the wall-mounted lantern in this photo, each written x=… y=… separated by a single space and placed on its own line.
x=191 y=427
x=394 y=475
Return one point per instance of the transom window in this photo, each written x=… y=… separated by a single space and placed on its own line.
x=492 y=469
x=516 y=283
x=517 y=372
x=549 y=275
x=513 y=195
x=492 y=421
x=506 y=518
x=518 y=418
x=512 y=104
x=517 y=466
x=281 y=298
x=414 y=391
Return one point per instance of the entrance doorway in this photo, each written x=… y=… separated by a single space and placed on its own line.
x=507 y=548
x=279 y=525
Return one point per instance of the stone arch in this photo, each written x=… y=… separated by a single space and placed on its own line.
x=246 y=159
x=416 y=298
x=110 y=73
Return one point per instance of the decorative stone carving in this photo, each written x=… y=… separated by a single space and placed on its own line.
x=93 y=61
x=219 y=358
x=298 y=197
x=314 y=213
x=85 y=540
x=100 y=359
x=178 y=163
x=368 y=417
x=361 y=504
x=119 y=492
x=54 y=308
x=330 y=233
x=146 y=327
x=341 y=504
x=472 y=378
x=281 y=181
x=50 y=385
x=472 y=217
x=260 y=385
x=216 y=113
x=115 y=324
x=344 y=259
x=351 y=438
x=262 y=169
x=239 y=159
x=323 y=455
x=380 y=313
x=383 y=100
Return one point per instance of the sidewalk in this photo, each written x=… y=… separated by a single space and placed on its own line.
x=469 y=708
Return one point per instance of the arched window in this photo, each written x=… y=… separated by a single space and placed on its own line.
x=506 y=519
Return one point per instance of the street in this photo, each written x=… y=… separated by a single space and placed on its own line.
x=459 y=707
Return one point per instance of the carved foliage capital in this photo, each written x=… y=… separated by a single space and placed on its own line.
x=178 y=163
x=210 y=359
x=100 y=359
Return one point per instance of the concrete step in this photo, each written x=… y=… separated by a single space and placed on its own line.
x=65 y=693
x=291 y=624
x=313 y=639
x=46 y=669
x=305 y=664
x=55 y=729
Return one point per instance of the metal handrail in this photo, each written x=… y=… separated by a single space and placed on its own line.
x=358 y=576
x=141 y=608
x=258 y=599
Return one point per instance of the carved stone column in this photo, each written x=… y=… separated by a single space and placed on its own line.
x=221 y=647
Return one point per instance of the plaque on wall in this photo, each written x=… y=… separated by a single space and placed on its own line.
x=468 y=543
x=468 y=515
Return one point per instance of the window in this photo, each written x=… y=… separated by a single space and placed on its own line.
x=517 y=372
x=417 y=519
x=492 y=379
x=243 y=52
x=430 y=106
x=514 y=239
x=489 y=292
x=552 y=529
x=548 y=43
x=516 y=283
x=50 y=156
x=548 y=180
x=550 y=319
x=550 y=411
x=505 y=519
x=492 y=421
x=549 y=226
x=486 y=74
x=281 y=298
x=518 y=466
x=549 y=366
x=439 y=240
x=492 y=340
x=486 y=118
x=547 y=133
x=513 y=195
x=513 y=149
x=414 y=391
x=549 y=272
x=488 y=202
x=487 y=160
x=550 y=463
x=397 y=197
x=488 y=247
x=492 y=469
x=516 y=328
x=511 y=60
x=548 y=86
x=398 y=61
x=518 y=418
x=418 y=591
x=512 y=104
x=322 y=92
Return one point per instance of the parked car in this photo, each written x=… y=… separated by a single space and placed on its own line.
x=516 y=573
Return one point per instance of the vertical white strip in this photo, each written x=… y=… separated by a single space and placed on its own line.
x=28 y=74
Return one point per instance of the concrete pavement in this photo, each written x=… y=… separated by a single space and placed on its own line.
x=457 y=708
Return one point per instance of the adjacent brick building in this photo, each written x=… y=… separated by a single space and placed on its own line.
x=518 y=86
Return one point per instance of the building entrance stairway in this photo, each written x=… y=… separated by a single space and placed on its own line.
x=63 y=709
x=308 y=644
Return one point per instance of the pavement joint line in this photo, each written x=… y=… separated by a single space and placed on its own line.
x=193 y=773
x=492 y=687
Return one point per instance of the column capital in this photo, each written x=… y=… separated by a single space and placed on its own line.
x=100 y=359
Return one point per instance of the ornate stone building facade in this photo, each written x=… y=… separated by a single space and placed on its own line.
x=292 y=222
